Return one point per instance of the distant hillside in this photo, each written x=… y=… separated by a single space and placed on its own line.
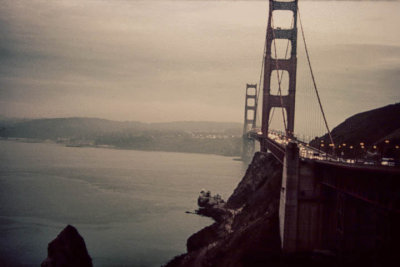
x=62 y=128
x=197 y=137
x=371 y=128
x=199 y=126
x=85 y=127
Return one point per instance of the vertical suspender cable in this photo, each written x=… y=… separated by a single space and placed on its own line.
x=313 y=79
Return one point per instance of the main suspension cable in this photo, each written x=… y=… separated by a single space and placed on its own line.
x=313 y=79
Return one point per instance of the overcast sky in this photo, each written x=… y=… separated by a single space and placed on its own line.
x=170 y=61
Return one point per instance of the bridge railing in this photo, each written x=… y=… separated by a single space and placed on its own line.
x=278 y=150
x=276 y=142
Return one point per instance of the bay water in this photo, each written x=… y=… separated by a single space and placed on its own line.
x=128 y=205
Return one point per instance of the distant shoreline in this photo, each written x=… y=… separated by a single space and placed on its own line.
x=37 y=141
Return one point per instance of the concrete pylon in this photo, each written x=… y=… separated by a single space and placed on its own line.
x=288 y=205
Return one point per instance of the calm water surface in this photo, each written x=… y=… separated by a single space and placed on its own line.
x=128 y=205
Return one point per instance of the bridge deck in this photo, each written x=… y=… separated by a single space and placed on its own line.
x=376 y=185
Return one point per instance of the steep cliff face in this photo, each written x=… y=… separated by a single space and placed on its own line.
x=247 y=234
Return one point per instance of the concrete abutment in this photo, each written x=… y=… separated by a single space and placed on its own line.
x=330 y=207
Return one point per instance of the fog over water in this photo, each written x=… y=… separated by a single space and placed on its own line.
x=186 y=60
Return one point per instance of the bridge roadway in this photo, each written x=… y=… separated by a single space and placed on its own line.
x=276 y=144
x=326 y=204
x=363 y=182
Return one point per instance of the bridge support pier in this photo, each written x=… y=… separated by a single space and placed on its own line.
x=288 y=205
x=301 y=205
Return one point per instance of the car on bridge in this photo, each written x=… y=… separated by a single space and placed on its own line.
x=388 y=162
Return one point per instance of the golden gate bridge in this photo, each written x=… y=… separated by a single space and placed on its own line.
x=325 y=204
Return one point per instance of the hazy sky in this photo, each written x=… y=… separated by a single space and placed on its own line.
x=169 y=61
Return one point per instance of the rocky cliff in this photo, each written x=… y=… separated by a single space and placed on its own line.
x=246 y=233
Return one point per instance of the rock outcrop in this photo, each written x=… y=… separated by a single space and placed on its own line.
x=67 y=250
x=211 y=206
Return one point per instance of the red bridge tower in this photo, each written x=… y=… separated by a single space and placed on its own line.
x=272 y=62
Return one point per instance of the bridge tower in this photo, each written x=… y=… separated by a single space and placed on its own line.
x=287 y=102
x=250 y=114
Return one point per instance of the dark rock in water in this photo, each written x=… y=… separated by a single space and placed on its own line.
x=67 y=250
